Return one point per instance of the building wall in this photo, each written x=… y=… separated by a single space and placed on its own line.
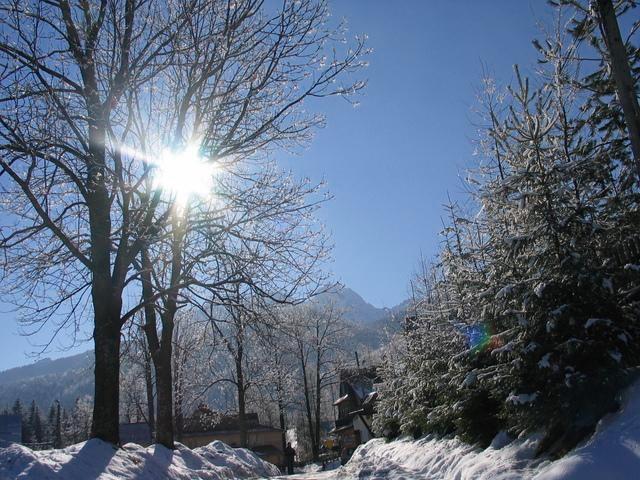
x=359 y=425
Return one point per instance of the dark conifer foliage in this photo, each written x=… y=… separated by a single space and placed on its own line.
x=528 y=319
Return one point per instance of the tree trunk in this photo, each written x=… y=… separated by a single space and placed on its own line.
x=625 y=85
x=318 y=405
x=160 y=351
x=164 y=420
x=106 y=289
x=242 y=413
x=148 y=379
x=307 y=402
x=107 y=304
x=283 y=424
x=106 y=336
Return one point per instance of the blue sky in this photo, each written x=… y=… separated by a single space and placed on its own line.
x=391 y=162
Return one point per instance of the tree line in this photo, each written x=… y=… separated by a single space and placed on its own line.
x=58 y=428
x=280 y=362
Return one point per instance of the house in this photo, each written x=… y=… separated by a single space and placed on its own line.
x=263 y=440
x=139 y=433
x=355 y=409
x=10 y=428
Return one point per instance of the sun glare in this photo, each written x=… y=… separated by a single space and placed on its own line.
x=184 y=173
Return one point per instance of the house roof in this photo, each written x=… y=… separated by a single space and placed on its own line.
x=342 y=429
x=340 y=400
x=358 y=382
x=263 y=450
x=213 y=431
x=223 y=424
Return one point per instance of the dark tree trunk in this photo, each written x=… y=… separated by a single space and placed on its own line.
x=106 y=287
x=162 y=349
x=106 y=294
x=283 y=424
x=318 y=405
x=625 y=85
x=242 y=405
x=148 y=379
x=307 y=403
x=106 y=337
x=164 y=421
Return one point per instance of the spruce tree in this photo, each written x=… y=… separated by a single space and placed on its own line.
x=35 y=424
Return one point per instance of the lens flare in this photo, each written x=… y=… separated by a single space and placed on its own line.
x=481 y=338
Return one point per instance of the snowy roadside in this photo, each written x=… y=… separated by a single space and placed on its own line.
x=612 y=453
x=96 y=459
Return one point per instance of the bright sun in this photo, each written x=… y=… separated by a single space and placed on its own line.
x=184 y=174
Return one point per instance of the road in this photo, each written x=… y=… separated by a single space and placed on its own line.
x=310 y=476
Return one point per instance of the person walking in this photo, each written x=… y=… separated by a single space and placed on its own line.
x=289 y=454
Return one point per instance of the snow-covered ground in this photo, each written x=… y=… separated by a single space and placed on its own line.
x=612 y=453
x=96 y=459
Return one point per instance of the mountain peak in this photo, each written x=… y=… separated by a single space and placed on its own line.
x=356 y=309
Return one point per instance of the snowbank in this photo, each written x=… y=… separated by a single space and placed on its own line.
x=100 y=460
x=436 y=459
x=612 y=453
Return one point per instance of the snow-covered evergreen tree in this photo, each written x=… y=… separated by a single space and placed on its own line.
x=542 y=277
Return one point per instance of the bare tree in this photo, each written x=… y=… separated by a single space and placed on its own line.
x=137 y=398
x=89 y=91
x=279 y=386
x=318 y=334
x=234 y=331
x=256 y=233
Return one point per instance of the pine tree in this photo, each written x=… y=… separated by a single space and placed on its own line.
x=17 y=408
x=35 y=424
x=54 y=427
x=65 y=428
x=25 y=431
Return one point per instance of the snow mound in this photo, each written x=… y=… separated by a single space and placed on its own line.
x=612 y=453
x=435 y=459
x=96 y=459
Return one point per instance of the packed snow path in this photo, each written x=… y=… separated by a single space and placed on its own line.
x=310 y=476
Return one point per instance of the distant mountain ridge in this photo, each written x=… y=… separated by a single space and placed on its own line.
x=357 y=310
x=68 y=378
x=64 y=379
x=47 y=366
